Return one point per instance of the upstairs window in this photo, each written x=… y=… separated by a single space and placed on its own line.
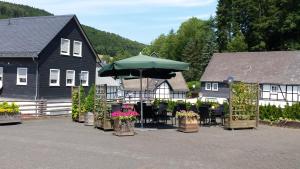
x=65 y=46
x=84 y=78
x=207 y=86
x=21 y=76
x=1 y=74
x=70 y=78
x=215 y=87
x=77 y=48
x=274 y=89
x=54 y=77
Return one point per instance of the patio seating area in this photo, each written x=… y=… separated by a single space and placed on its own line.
x=61 y=143
x=157 y=116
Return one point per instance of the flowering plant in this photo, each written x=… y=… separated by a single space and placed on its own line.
x=6 y=108
x=184 y=113
x=124 y=116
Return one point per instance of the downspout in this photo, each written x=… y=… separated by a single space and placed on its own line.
x=36 y=83
x=36 y=78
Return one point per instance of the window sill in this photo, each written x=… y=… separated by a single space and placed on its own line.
x=21 y=84
x=78 y=56
x=54 y=85
x=65 y=54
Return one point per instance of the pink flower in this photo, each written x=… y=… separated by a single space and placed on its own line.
x=124 y=114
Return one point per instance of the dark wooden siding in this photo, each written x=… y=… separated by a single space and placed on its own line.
x=10 y=89
x=223 y=91
x=50 y=58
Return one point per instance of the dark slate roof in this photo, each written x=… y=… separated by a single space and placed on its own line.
x=278 y=67
x=177 y=83
x=28 y=36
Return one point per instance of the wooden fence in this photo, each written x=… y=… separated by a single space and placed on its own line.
x=43 y=107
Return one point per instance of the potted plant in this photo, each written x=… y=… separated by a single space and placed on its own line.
x=124 y=123
x=9 y=113
x=75 y=106
x=89 y=107
x=81 y=103
x=243 y=106
x=103 y=118
x=188 y=121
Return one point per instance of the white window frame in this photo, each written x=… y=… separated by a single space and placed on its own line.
x=73 y=79
x=18 y=76
x=58 y=78
x=271 y=88
x=206 y=86
x=69 y=42
x=212 y=87
x=80 y=53
x=1 y=74
x=87 y=80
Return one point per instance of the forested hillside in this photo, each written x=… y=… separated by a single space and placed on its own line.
x=104 y=43
x=239 y=25
x=247 y=25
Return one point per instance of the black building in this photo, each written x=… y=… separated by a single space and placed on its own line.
x=43 y=57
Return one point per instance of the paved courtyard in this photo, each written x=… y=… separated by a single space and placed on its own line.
x=59 y=143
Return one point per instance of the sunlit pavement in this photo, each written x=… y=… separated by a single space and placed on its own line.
x=60 y=143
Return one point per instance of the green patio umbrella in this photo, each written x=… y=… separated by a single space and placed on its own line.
x=143 y=66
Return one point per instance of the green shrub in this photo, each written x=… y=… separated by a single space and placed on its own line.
x=6 y=108
x=274 y=113
x=75 y=103
x=82 y=100
x=75 y=106
x=171 y=106
x=89 y=100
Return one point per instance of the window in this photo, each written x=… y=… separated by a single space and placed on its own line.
x=65 y=46
x=21 y=76
x=84 y=78
x=1 y=74
x=215 y=87
x=207 y=86
x=70 y=78
x=77 y=48
x=54 y=77
x=274 y=89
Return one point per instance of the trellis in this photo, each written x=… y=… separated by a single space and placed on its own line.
x=101 y=109
x=243 y=105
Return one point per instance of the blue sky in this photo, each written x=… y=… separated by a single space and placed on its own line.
x=140 y=20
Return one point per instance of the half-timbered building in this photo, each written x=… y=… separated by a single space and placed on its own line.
x=277 y=73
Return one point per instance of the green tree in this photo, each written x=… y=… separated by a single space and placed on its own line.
x=237 y=44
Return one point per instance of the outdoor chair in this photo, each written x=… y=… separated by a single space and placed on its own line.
x=162 y=112
x=194 y=108
x=116 y=107
x=148 y=112
x=218 y=113
x=204 y=115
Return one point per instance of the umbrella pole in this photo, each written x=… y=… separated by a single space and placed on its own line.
x=141 y=98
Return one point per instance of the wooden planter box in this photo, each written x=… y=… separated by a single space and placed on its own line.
x=123 y=129
x=239 y=124
x=89 y=119
x=10 y=118
x=188 y=124
x=104 y=124
x=81 y=118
